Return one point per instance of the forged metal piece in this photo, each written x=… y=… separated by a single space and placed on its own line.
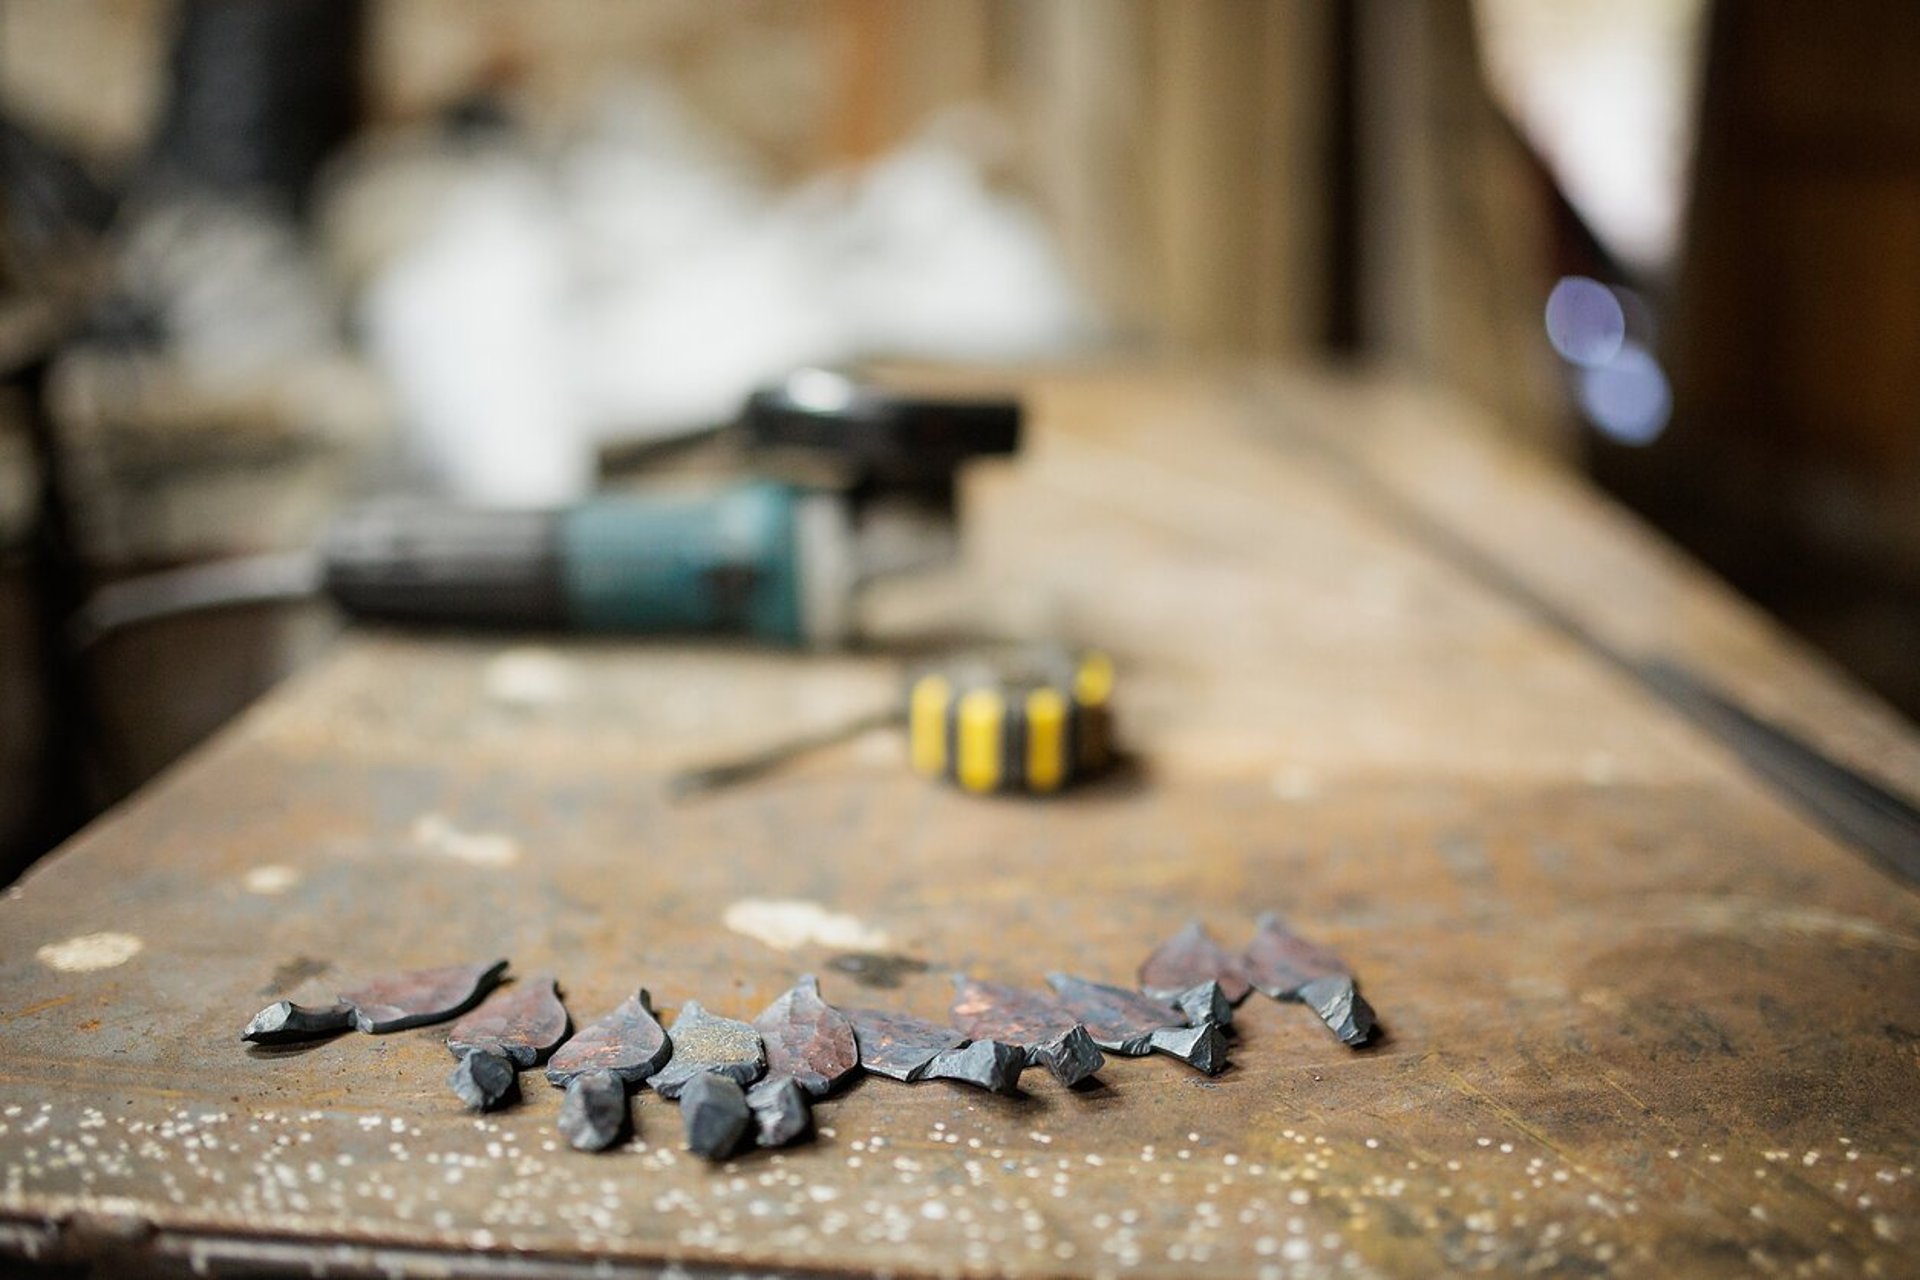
x=714 y=1113
x=1071 y=1058
x=284 y=1022
x=420 y=996
x=780 y=1109
x=484 y=1079
x=628 y=1042
x=594 y=1112
x=1052 y=1036
x=1341 y=1006
x=808 y=1039
x=1205 y=1003
x=522 y=1023
x=993 y=1065
x=708 y=1044
x=1279 y=961
x=1203 y=1048
x=1118 y=1019
x=899 y=1045
x=1189 y=958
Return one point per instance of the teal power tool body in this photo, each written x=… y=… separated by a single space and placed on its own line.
x=847 y=483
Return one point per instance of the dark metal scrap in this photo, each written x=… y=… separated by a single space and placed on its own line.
x=993 y=1065
x=807 y=1039
x=522 y=1023
x=1341 y=1006
x=706 y=1043
x=594 y=1112
x=484 y=1079
x=1118 y=1019
x=714 y=1114
x=1279 y=961
x=629 y=1042
x=284 y=1022
x=1205 y=1003
x=1051 y=1035
x=899 y=1045
x=780 y=1110
x=1202 y=1047
x=1191 y=957
x=420 y=996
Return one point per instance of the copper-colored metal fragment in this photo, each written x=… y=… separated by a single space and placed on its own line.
x=992 y=1065
x=1202 y=1047
x=780 y=1110
x=284 y=1022
x=1052 y=1036
x=522 y=1023
x=1279 y=961
x=714 y=1113
x=1341 y=1007
x=629 y=1042
x=1205 y=1003
x=594 y=1112
x=1189 y=958
x=1119 y=1020
x=899 y=1045
x=708 y=1044
x=420 y=996
x=808 y=1039
x=484 y=1079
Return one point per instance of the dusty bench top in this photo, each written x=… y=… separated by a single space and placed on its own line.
x=1641 y=1015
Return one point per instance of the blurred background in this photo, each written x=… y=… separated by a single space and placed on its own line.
x=259 y=258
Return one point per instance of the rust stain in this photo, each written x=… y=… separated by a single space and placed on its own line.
x=40 y=1006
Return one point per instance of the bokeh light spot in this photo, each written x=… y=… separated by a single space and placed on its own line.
x=1585 y=322
x=1627 y=399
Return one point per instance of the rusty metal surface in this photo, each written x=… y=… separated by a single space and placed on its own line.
x=1640 y=1017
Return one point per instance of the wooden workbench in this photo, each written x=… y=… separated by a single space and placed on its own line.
x=1642 y=1017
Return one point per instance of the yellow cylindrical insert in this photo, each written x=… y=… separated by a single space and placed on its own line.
x=927 y=725
x=1046 y=740
x=982 y=712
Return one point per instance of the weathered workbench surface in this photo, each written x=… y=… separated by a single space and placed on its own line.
x=1643 y=1017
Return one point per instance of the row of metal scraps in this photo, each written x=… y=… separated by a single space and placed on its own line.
x=738 y=1081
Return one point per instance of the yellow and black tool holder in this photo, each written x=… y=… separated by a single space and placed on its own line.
x=1031 y=721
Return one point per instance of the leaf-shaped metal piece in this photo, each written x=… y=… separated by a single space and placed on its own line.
x=1279 y=961
x=808 y=1039
x=284 y=1022
x=899 y=1045
x=706 y=1043
x=1189 y=958
x=1040 y=1024
x=521 y=1023
x=1119 y=1020
x=420 y=996
x=629 y=1042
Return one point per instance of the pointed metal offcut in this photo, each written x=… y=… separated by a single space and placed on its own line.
x=780 y=1110
x=484 y=1079
x=594 y=1112
x=284 y=1022
x=1341 y=1006
x=1202 y=1047
x=713 y=1113
x=992 y=1065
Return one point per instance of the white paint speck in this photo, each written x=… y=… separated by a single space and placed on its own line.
x=786 y=923
x=270 y=879
x=433 y=833
x=90 y=951
x=528 y=677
